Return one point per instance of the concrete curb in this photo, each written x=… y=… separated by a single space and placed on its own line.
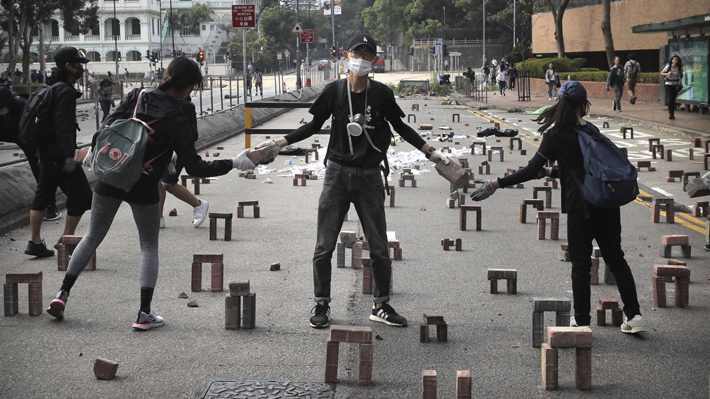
x=17 y=185
x=662 y=127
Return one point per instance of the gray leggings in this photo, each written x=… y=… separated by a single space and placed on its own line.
x=103 y=210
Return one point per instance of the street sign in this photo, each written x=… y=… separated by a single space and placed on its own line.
x=454 y=54
x=287 y=53
x=243 y=16
x=297 y=28
x=307 y=36
x=279 y=56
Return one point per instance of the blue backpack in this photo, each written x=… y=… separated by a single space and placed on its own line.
x=610 y=179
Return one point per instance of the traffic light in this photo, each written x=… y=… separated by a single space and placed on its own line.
x=335 y=53
x=201 y=57
x=155 y=57
x=147 y=55
x=446 y=50
x=432 y=50
x=411 y=51
x=178 y=54
x=119 y=57
x=228 y=55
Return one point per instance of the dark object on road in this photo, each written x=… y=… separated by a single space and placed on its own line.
x=192 y=304
x=495 y=132
x=293 y=150
x=697 y=188
x=105 y=369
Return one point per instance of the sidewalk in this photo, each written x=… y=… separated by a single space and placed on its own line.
x=644 y=113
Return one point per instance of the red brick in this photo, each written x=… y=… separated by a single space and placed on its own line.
x=423 y=333
x=548 y=215
x=670 y=270
x=681 y=292
x=583 y=368
x=398 y=254
x=23 y=278
x=569 y=337
x=217 y=277
x=433 y=319
x=463 y=384
x=248 y=203
x=676 y=262
x=71 y=240
x=429 y=384
x=275 y=267
x=196 y=277
x=364 y=364
x=208 y=258
x=105 y=369
x=675 y=240
x=659 y=291
x=35 y=298
x=608 y=304
x=352 y=334
x=331 y=361
x=549 y=365
x=239 y=287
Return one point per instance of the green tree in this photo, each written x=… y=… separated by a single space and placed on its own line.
x=196 y=15
x=173 y=18
x=385 y=23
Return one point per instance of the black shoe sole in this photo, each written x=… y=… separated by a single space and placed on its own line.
x=389 y=323
x=56 y=310
x=45 y=255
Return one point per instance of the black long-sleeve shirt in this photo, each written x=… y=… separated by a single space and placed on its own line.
x=380 y=109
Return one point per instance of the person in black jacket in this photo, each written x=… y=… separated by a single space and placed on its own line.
x=360 y=109
x=57 y=164
x=615 y=79
x=11 y=108
x=585 y=222
x=171 y=134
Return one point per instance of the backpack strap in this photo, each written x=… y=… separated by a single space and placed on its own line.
x=146 y=165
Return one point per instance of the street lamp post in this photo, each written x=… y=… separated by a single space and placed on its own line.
x=484 y=31
x=114 y=23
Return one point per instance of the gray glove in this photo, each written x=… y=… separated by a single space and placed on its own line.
x=87 y=158
x=242 y=161
x=69 y=165
x=275 y=148
x=437 y=156
x=172 y=169
x=484 y=191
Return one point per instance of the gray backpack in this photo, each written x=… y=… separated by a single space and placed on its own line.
x=118 y=154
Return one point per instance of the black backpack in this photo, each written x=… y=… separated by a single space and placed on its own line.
x=36 y=122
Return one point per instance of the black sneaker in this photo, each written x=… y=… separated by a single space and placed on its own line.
x=707 y=247
x=614 y=105
x=56 y=307
x=386 y=314
x=39 y=250
x=321 y=315
x=633 y=100
x=52 y=213
x=671 y=117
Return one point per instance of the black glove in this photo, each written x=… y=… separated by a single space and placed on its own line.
x=69 y=165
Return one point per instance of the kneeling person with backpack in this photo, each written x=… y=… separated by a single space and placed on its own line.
x=592 y=194
x=129 y=155
x=49 y=124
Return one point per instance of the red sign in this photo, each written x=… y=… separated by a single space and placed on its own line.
x=243 y=16
x=307 y=36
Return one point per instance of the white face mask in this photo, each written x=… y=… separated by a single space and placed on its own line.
x=360 y=66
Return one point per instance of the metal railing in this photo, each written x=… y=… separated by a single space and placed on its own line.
x=248 y=131
x=522 y=82
x=475 y=88
x=432 y=42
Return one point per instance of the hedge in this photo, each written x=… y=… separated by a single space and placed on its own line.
x=600 y=76
x=539 y=66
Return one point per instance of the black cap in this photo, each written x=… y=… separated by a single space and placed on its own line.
x=574 y=91
x=69 y=54
x=363 y=38
x=6 y=98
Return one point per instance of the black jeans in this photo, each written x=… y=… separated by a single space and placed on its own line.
x=619 y=92
x=671 y=92
x=105 y=108
x=604 y=225
x=74 y=185
x=368 y=196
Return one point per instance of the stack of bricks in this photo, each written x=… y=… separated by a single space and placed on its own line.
x=404 y=176
x=397 y=251
x=537 y=203
x=463 y=162
x=34 y=292
x=300 y=178
x=645 y=164
x=501 y=154
x=550 y=181
x=250 y=174
x=617 y=315
x=478 y=144
x=657 y=148
x=548 y=194
x=442 y=330
x=347 y=239
x=242 y=204
x=449 y=242
x=511 y=277
x=561 y=306
x=217 y=271
x=701 y=209
x=668 y=242
x=227 y=225
x=484 y=166
x=579 y=338
x=239 y=296
x=626 y=129
x=195 y=182
x=673 y=175
x=676 y=262
x=554 y=217
x=668 y=202
x=350 y=334
x=514 y=139
x=682 y=282
x=391 y=189
x=462 y=216
x=66 y=247
x=310 y=151
x=594 y=271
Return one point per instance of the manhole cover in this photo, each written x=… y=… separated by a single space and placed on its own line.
x=263 y=389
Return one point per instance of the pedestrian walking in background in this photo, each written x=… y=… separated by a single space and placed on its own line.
x=672 y=74
x=616 y=79
x=105 y=98
x=502 y=73
x=632 y=70
x=585 y=222
x=58 y=162
x=127 y=76
x=171 y=133
x=362 y=111
x=446 y=65
x=486 y=72
x=258 y=85
x=551 y=79
x=513 y=74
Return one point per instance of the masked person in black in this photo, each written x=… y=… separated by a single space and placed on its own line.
x=585 y=222
x=57 y=165
x=360 y=109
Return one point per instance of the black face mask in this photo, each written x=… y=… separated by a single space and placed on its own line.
x=79 y=73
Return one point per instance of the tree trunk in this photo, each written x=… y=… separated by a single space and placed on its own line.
x=557 y=16
x=606 y=32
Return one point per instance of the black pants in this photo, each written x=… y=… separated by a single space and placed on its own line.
x=512 y=83
x=619 y=92
x=74 y=185
x=367 y=193
x=671 y=92
x=105 y=108
x=604 y=225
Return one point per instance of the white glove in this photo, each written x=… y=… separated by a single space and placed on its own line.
x=172 y=169
x=485 y=191
x=437 y=156
x=275 y=148
x=87 y=158
x=242 y=162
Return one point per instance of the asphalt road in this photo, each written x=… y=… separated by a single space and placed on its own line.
x=488 y=334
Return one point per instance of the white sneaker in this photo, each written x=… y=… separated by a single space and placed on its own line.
x=635 y=325
x=162 y=222
x=573 y=322
x=549 y=99
x=200 y=213
x=148 y=321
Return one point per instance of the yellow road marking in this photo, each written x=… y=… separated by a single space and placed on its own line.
x=682 y=222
